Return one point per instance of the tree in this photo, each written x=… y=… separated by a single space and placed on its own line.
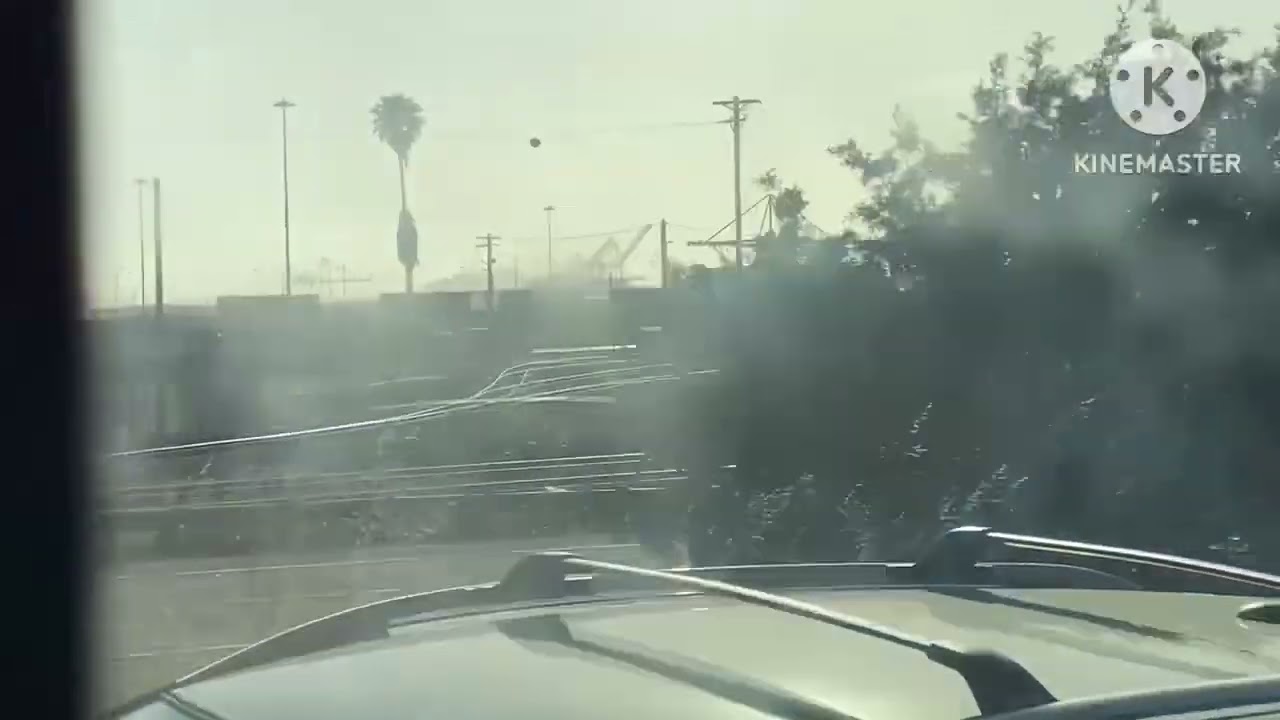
x=787 y=244
x=1074 y=354
x=398 y=122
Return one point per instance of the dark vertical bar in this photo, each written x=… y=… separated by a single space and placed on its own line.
x=159 y=336
x=737 y=182
x=142 y=247
x=665 y=262
x=288 y=263
x=159 y=247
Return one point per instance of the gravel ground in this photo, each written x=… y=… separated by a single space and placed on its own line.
x=160 y=620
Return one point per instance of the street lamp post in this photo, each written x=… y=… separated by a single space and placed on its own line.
x=284 y=106
x=142 y=252
x=549 y=210
x=157 y=242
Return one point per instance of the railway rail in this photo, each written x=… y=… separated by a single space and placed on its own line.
x=285 y=510
x=477 y=400
x=364 y=483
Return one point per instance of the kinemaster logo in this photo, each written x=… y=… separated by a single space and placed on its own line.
x=1158 y=88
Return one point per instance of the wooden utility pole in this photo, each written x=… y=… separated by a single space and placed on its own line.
x=736 y=118
x=162 y=386
x=486 y=242
x=664 y=262
x=550 y=267
x=142 y=244
x=159 y=245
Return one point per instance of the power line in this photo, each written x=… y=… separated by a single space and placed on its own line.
x=736 y=221
x=587 y=236
x=562 y=135
x=693 y=228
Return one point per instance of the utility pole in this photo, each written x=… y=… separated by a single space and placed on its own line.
x=284 y=106
x=487 y=244
x=343 y=279
x=665 y=263
x=142 y=250
x=162 y=387
x=159 y=245
x=548 y=210
x=326 y=267
x=515 y=272
x=736 y=118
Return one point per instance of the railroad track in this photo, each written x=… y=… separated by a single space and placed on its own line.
x=151 y=495
x=279 y=504
x=364 y=482
x=428 y=487
x=599 y=380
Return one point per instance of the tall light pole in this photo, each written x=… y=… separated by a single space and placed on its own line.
x=549 y=210
x=284 y=106
x=157 y=241
x=142 y=252
x=735 y=105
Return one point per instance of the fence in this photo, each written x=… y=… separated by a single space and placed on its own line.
x=163 y=620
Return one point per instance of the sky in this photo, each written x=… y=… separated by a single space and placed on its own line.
x=620 y=93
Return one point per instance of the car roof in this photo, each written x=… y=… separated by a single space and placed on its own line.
x=624 y=648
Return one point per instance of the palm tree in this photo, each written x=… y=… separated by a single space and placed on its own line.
x=398 y=122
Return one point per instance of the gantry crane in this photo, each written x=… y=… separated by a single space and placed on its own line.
x=609 y=260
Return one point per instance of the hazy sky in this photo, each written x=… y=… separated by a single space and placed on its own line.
x=183 y=90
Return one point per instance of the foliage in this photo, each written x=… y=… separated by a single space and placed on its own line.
x=407 y=239
x=1014 y=341
x=398 y=122
x=795 y=241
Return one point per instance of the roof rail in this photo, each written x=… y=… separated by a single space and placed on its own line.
x=997 y=682
x=957 y=557
x=528 y=582
x=370 y=621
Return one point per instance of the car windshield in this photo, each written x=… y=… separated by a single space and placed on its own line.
x=386 y=295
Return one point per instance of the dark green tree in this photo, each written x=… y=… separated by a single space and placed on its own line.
x=398 y=122
x=1012 y=340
